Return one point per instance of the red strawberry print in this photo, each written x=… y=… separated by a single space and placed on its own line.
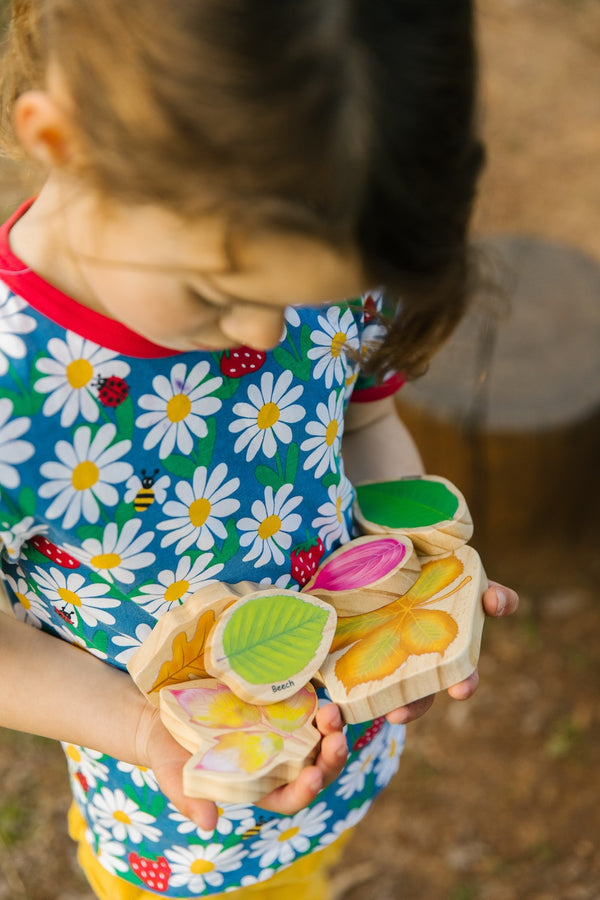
x=369 y=310
x=155 y=873
x=56 y=554
x=241 y=361
x=305 y=559
x=368 y=735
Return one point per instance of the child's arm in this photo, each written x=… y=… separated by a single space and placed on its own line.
x=377 y=447
x=56 y=690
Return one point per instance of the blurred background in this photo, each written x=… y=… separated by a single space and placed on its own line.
x=496 y=798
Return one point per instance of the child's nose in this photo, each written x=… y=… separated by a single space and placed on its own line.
x=254 y=326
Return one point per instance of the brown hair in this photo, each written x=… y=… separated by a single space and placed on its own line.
x=351 y=120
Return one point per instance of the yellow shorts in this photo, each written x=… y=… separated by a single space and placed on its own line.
x=307 y=879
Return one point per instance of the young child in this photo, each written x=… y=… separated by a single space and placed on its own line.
x=196 y=364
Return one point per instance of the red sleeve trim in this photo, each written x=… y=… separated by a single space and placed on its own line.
x=64 y=310
x=378 y=391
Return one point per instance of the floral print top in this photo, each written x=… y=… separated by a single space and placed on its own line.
x=131 y=475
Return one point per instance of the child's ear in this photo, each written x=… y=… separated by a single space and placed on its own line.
x=43 y=129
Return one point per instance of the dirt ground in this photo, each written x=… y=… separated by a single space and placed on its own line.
x=496 y=798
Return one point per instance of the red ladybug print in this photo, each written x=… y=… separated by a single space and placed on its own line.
x=112 y=391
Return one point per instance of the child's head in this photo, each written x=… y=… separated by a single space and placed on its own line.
x=347 y=120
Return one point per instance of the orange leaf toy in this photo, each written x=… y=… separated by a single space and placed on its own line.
x=240 y=751
x=175 y=649
x=419 y=643
x=359 y=576
x=428 y=509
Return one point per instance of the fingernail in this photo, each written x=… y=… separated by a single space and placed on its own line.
x=398 y=717
x=502 y=602
x=342 y=751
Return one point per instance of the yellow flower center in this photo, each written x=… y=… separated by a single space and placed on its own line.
x=79 y=373
x=288 y=835
x=178 y=408
x=268 y=527
x=337 y=343
x=85 y=475
x=73 y=753
x=268 y=415
x=338 y=509
x=201 y=867
x=176 y=591
x=69 y=597
x=122 y=817
x=199 y=512
x=23 y=601
x=331 y=432
x=106 y=561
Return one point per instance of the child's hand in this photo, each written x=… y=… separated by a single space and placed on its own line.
x=167 y=758
x=497 y=601
x=291 y=798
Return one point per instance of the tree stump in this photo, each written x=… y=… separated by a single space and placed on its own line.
x=510 y=408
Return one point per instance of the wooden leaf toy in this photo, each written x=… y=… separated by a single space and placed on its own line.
x=240 y=751
x=358 y=577
x=428 y=509
x=175 y=649
x=268 y=645
x=421 y=642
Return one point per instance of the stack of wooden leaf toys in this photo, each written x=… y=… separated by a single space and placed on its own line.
x=390 y=617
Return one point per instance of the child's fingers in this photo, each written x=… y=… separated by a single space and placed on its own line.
x=499 y=600
x=465 y=689
x=202 y=812
x=405 y=714
x=329 y=719
x=291 y=798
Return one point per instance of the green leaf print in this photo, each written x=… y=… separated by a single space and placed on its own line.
x=231 y=544
x=99 y=641
x=205 y=446
x=125 y=418
x=291 y=463
x=297 y=360
x=27 y=501
x=181 y=466
x=269 y=477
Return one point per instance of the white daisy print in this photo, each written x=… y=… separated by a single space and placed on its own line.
x=387 y=763
x=85 y=474
x=84 y=764
x=342 y=825
x=172 y=588
x=282 y=840
x=13 y=323
x=338 y=334
x=229 y=814
x=12 y=537
x=331 y=522
x=122 y=817
x=353 y=778
x=197 y=866
x=13 y=451
x=264 y=875
x=31 y=608
x=323 y=445
x=196 y=517
x=109 y=853
x=140 y=775
x=178 y=409
x=72 y=372
x=131 y=642
x=265 y=419
x=118 y=554
x=268 y=534
x=71 y=596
